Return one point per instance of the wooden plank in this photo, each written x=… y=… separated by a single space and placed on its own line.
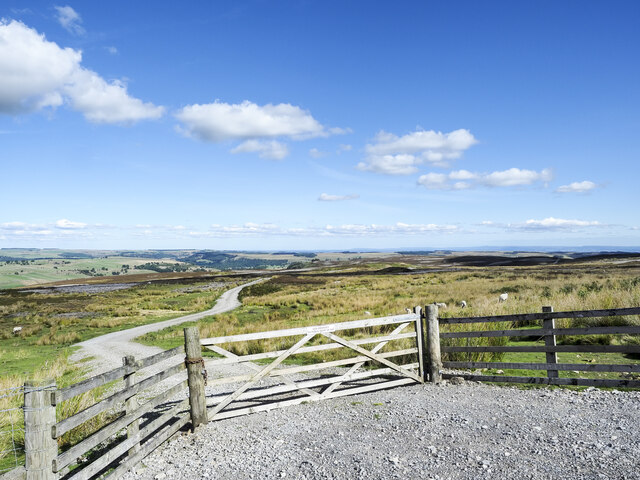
x=421 y=344
x=159 y=357
x=319 y=382
x=580 y=367
x=120 y=449
x=434 y=359
x=373 y=356
x=312 y=367
x=526 y=317
x=534 y=332
x=82 y=447
x=585 y=382
x=558 y=348
x=39 y=416
x=295 y=401
x=314 y=348
x=265 y=371
x=68 y=423
x=131 y=403
x=329 y=327
x=550 y=341
x=115 y=374
x=375 y=349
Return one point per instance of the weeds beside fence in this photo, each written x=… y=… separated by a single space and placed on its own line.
x=11 y=428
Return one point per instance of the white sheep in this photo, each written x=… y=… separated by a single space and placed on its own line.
x=408 y=310
x=17 y=330
x=503 y=297
x=440 y=305
x=367 y=313
x=463 y=304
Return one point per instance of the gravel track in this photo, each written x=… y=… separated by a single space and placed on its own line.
x=107 y=350
x=468 y=431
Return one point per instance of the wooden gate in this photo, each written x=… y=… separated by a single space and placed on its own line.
x=267 y=386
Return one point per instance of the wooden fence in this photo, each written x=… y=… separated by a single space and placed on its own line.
x=150 y=420
x=549 y=333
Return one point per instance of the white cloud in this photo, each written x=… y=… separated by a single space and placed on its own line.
x=69 y=225
x=394 y=155
x=271 y=149
x=345 y=147
x=325 y=197
x=218 y=121
x=315 y=153
x=112 y=50
x=577 y=187
x=36 y=73
x=552 y=223
x=70 y=20
x=507 y=178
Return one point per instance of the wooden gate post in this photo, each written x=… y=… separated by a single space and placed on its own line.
x=39 y=416
x=131 y=403
x=550 y=341
x=420 y=343
x=434 y=365
x=195 y=367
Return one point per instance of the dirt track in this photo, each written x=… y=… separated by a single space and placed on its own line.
x=107 y=350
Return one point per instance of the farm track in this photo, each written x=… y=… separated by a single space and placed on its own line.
x=107 y=350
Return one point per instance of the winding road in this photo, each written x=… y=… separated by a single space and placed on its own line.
x=107 y=350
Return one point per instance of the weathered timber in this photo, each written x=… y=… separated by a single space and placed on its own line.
x=579 y=367
x=131 y=403
x=532 y=332
x=421 y=343
x=39 y=416
x=18 y=473
x=99 y=380
x=315 y=348
x=330 y=327
x=68 y=423
x=117 y=451
x=195 y=368
x=79 y=449
x=434 y=364
x=557 y=348
x=159 y=357
x=312 y=367
x=548 y=323
x=584 y=382
x=373 y=356
x=149 y=446
x=526 y=317
x=340 y=393
x=265 y=371
x=375 y=349
x=320 y=382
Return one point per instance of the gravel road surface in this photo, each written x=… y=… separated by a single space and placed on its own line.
x=468 y=431
x=107 y=350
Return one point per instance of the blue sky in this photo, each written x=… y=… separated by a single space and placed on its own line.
x=319 y=125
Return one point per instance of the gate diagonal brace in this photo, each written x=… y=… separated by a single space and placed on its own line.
x=257 y=368
x=373 y=356
x=355 y=367
x=262 y=373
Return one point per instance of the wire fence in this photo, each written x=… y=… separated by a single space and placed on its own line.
x=11 y=428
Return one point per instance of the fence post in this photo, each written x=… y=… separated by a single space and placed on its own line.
x=131 y=403
x=195 y=367
x=422 y=351
x=434 y=364
x=550 y=341
x=39 y=416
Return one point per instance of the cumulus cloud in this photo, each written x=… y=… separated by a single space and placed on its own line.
x=69 y=225
x=325 y=197
x=70 y=20
x=393 y=155
x=315 y=153
x=36 y=73
x=577 y=187
x=464 y=179
x=551 y=223
x=271 y=149
x=345 y=147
